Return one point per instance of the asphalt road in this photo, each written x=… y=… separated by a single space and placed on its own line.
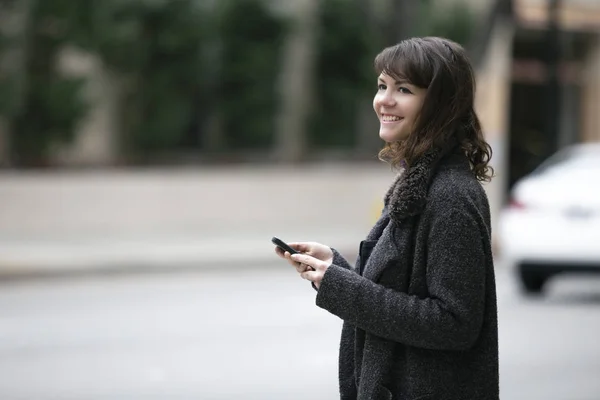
x=251 y=334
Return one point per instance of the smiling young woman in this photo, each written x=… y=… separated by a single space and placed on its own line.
x=397 y=104
x=419 y=306
x=438 y=73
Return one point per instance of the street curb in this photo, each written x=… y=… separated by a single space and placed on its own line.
x=28 y=272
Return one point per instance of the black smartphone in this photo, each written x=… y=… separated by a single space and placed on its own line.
x=283 y=245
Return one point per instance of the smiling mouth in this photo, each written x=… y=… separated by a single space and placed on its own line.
x=390 y=118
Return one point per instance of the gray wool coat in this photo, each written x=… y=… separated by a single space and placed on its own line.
x=419 y=307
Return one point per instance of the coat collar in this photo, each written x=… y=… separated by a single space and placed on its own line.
x=408 y=194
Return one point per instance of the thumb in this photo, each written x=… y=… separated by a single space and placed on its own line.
x=302 y=247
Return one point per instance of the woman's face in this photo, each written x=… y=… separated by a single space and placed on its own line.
x=397 y=105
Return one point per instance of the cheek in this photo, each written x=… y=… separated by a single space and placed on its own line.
x=414 y=109
x=375 y=103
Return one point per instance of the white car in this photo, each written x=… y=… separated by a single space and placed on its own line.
x=552 y=225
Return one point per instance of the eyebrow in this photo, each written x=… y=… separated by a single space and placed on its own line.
x=402 y=82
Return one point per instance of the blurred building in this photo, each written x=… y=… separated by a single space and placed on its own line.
x=578 y=69
x=513 y=89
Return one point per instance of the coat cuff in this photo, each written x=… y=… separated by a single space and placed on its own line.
x=339 y=260
x=338 y=291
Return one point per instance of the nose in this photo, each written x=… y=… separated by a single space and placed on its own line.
x=387 y=99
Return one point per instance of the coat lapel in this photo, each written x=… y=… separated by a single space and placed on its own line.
x=392 y=246
x=406 y=198
x=380 y=225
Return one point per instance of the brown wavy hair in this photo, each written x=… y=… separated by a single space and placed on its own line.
x=448 y=115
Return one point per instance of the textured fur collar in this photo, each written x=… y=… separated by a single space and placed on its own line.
x=408 y=194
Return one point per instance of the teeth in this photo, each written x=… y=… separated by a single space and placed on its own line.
x=391 y=118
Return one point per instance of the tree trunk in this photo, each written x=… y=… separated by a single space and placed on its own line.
x=14 y=25
x=368 y=143
x=403 y=15
x=296 y=82
x=211 y=133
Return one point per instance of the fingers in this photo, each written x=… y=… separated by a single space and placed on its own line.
x=302 y=247
x=284 y=254
x=280 y=252
x=308 y=260
x=313 y=276
x=288 y=257
x=308 y=263
x=300 y=267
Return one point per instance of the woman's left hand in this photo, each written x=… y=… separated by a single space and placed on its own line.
x=319 y=267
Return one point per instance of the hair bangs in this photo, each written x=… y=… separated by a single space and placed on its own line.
x=403 y=62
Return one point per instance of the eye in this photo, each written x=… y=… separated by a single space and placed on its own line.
x=404 y=90
x=381 y=86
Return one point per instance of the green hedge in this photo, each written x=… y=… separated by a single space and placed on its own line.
x=181 y=62
x=42 y=107
x=250 y=61
x=344 y=73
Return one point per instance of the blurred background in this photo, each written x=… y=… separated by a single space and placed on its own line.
x=150 y=149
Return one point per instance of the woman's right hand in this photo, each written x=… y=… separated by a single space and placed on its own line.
x=316 y=250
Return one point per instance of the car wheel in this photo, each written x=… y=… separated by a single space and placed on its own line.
x=533 y=283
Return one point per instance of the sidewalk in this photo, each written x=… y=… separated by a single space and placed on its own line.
x=113 y=221
x=91 y=255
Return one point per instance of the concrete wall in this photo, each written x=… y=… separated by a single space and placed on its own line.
x=591 y=95
x=493 y=107
x=96 y=143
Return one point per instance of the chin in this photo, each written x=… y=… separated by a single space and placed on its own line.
x=390 y=137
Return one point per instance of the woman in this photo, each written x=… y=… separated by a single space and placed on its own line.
x=419 y=307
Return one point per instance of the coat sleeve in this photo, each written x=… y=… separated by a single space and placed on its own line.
x=449 y=319
x=339 y=261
